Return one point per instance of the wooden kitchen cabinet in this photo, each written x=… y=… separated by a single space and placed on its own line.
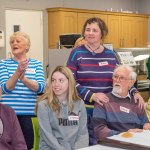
x=114 y=30
x=128 y=31
x=82 y=17
x=60 y=22
x=124 y=29
x=141 y=31
x=134 y=31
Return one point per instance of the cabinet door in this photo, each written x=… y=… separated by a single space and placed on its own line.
x=60 y=22
x=127 y=31
x=128 y=36
x=102 y=16
x=114 y=31
x=68 y=22
x=82 y=17
x=141 y=32
x=54 y=28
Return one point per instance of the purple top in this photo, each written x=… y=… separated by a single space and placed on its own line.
x=11 y=137
x=93 y=73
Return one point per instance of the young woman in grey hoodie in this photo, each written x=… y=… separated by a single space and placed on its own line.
x=61 y=114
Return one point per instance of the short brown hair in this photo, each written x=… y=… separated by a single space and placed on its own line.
x=102 y=25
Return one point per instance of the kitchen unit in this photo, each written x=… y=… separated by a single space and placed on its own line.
x=128 y=30
x=125 y=29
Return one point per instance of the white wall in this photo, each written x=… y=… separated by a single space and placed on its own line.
x=102 y=4
x=29 y=4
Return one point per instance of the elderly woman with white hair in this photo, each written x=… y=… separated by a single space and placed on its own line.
x=21 y=79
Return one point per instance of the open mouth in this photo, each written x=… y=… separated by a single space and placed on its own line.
x=15 y=48
x=117 y=85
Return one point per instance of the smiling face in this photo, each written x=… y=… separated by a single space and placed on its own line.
x=60 y=85
x=92 y=33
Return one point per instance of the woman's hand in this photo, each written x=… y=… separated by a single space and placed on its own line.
x=138 y=98
x=22 y=66
x=22 y=75
x=100 y=97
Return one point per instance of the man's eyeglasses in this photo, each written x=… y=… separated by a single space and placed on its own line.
x=120 y=78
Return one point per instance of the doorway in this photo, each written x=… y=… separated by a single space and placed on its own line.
x=30 y=22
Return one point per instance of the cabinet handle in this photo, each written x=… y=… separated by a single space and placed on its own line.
x=135 y=42
x=120 y=42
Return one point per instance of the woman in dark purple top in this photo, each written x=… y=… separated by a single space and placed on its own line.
x=11 y=136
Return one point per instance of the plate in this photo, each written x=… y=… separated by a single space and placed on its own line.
x=139 y=138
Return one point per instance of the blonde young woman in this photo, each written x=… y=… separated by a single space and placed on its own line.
x=61 y=114
x=21 y=79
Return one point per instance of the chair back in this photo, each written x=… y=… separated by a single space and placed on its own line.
x=36 y=133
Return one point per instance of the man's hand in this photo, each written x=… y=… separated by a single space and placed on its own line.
x=135 y=130
x=146 y=126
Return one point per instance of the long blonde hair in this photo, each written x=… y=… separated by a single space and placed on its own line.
x=49 y=94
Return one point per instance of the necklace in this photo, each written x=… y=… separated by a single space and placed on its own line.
x=93 y=51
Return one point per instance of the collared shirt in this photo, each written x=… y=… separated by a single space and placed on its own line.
x=119 y=96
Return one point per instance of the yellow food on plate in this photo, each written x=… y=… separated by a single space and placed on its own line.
x=127 y=135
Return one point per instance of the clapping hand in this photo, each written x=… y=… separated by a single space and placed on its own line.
x=22 y=66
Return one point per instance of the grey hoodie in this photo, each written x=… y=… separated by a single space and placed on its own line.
x=68 y=131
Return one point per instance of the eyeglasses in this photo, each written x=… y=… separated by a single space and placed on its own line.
x=120 y=78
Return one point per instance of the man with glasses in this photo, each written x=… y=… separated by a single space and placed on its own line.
x=121 y=113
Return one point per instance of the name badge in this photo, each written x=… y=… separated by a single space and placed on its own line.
x=104 y=63
x=71 y=118
x=31 y=71
x=124 y=109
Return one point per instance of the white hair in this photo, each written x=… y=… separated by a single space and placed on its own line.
x=132 y=73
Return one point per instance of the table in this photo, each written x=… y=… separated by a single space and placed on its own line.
x=101 y=147
x=139 y=141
